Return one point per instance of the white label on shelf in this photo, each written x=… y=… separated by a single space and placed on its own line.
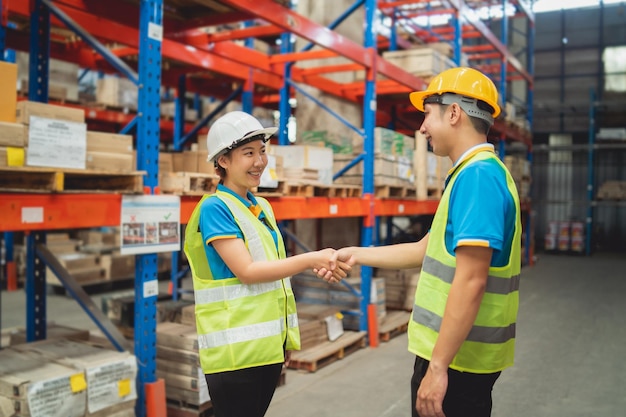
x=155 y=32
x=333 y=208
x=400 y=208
x=56 y=143
x=32 y=214
x=150 y=288
x=112 y=383
x=56 y=397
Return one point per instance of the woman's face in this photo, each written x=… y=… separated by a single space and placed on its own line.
x=244 y=166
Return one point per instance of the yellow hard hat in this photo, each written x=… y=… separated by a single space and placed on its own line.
x=463 y=81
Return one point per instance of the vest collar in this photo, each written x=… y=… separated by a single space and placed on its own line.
x=252 y=205
x=473 y=151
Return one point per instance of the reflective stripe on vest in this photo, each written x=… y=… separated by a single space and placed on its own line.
x=495 y=285
x=246 y=333
x=489 y=346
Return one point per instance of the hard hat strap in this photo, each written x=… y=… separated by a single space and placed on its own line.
x=469 y=105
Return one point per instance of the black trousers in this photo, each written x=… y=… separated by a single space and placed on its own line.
x=243 y=393
x=468 y=395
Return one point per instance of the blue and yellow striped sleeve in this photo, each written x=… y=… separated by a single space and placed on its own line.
x=217 y=222
x=478 y=204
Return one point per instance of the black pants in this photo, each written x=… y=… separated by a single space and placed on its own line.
x=468 y=395
x=243 y=393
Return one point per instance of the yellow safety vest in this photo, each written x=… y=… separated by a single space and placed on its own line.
x=241 y=325
x=490 y=345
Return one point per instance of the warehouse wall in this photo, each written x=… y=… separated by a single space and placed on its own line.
x=568 y=64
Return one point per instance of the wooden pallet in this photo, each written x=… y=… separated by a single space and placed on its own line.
x=338 y=190
x=396 y=322
x=295 y=189
x=188 y=183
x=392 y=191
x=50 y=180
x=176 y=408
x=328 y=352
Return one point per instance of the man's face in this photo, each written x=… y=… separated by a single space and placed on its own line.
x=433 y=127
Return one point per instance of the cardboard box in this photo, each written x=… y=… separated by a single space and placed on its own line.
x=387 y=142
x=37 y=385
x=118 y=266
x=204 y=166
x=8 y=91
x=13 y=134
x=109 y=142
x=25 y=109
x=423 y=62
x=117 y=92
x=305 y=156
x=105 y=161
x=109 y=375
x=190 y=161
x=178 y=162
x=166 y=163
x=177 y=336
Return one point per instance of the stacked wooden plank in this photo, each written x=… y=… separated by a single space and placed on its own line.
x=315 y=321
x=179 y=365
x=65 y=378
x=393 y=163
x=400 y=287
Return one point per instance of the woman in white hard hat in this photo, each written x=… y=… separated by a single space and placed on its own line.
x=245 y=307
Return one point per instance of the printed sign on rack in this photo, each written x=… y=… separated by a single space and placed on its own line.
x=150 y=224
x=56 y=143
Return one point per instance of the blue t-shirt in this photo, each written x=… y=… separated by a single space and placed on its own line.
x=481 y=210
x=217 y=222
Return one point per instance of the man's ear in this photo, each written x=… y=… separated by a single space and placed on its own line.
x=454 y=115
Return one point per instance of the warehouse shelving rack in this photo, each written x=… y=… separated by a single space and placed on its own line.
x=162 y=37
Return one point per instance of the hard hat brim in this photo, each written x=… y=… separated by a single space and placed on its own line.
x=267 y=133
x=417 y=99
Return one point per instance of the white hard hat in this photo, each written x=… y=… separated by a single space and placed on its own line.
x=234 y=129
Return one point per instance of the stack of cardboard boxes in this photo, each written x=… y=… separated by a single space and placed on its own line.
x=69 y=378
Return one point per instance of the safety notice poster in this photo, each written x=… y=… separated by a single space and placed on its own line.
x=150 y=224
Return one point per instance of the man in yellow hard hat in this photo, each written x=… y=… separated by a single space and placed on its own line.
x=462 y=328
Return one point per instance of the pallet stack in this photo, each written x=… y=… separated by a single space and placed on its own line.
x=45 y=147
x=66 y=378
x=430 y=170
x=393 y=163
x=179 y=365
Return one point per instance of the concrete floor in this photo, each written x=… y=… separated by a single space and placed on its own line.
x=569 y=363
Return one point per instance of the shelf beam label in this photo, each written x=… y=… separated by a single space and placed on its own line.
x=32 y=214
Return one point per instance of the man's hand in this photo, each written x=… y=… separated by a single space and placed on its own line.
x=431 y=393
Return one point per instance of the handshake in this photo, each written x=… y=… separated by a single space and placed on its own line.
x=333 y=265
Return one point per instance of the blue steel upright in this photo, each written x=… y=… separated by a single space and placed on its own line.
x=284 y=106
x=3 y=30
x=148 y=126
x=369 y=122
x=37 y=91
x=504 y=38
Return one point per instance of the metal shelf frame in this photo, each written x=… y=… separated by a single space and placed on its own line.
x=158 y=38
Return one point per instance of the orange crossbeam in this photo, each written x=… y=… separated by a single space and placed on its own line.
x=302 y=56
